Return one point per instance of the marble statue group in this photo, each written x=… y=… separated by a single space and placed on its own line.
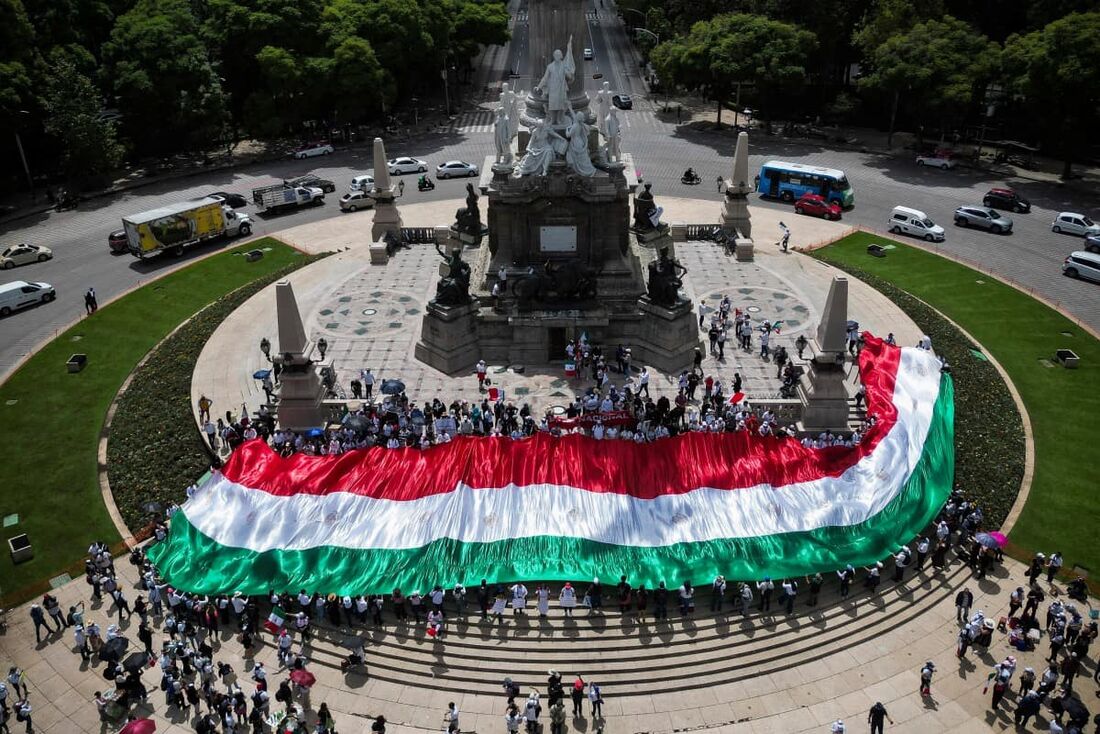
x=562 y=132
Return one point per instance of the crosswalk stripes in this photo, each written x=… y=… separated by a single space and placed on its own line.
x=481 y=121
x=475 y=121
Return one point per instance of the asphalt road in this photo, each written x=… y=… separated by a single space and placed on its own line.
x=1031 y=256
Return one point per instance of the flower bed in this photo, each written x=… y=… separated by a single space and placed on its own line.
x=155 y=451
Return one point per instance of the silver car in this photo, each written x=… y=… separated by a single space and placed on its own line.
x=983 y=217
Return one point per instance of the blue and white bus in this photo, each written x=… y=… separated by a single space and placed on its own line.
x=788 y=181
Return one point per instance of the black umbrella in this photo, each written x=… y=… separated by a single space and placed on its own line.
x=135 y=662
x=392 y=387
x=112 y=650
x=356 y=422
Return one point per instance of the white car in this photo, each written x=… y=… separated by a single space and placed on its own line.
x=353 y=201
x=588 y=55
x=407 y=165
x=1082 y=265
x=1074 y=223
x=454 y=169
x=24 y=255
x=314 y=149
x=362 y=183
x=936 y=162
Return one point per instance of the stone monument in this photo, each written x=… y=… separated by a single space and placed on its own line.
x=736 y=220
x=386 y=216
x=560 y=232
x=300 y=387
x=823 y=393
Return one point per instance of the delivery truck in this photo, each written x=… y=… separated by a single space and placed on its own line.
x=282 y=196
x=172 y=228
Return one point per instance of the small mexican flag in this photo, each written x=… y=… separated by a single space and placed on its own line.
x=275 y=621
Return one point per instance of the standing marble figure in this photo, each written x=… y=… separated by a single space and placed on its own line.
x=502 y=136
x=613 y=135
x=555 y=83
x=603 y=107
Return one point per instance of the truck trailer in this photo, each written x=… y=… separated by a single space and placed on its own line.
x=172 y=228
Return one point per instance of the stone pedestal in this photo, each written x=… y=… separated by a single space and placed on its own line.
x=743 y=249
x=824 y=395
x=378 y=254
x=666 y=337
x=736 y=220
x=387 y=218
x=448 y=337
x=300 y=397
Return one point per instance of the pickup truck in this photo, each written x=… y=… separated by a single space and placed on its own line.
x=279 y=196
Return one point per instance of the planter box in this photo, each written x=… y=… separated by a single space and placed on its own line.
x=20 y=548
x=77 y=362
x=1068 y=358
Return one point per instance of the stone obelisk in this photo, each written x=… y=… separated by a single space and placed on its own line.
x=823 y=394
x=387 y=218
x=300 y=388
x=736 y=221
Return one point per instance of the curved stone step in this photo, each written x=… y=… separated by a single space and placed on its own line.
x=465 y=664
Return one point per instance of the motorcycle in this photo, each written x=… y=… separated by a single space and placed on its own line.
x=424 y=184
x=65 y=200
x=691 y=179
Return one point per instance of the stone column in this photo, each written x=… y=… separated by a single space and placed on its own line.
x=387 y=218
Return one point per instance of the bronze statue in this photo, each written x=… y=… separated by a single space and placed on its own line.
x=646 y=214
x=453 y=289
x=665 y=278
x=555 y=282
x=468 y=218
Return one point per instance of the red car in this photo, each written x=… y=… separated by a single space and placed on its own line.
x=118 y=242
x=816 y=206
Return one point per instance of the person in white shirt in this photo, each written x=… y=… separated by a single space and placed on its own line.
x=519 y=598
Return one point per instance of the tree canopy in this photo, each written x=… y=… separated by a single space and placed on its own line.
x=717 y=55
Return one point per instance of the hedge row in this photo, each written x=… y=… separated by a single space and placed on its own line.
x=989 y=434
x=154 y=451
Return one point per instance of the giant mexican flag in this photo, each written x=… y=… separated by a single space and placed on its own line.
x=687 y=507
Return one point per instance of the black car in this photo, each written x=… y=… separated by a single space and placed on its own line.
x=234 y=200
x=1006 y=199
x=315 y=181
x=622 y=101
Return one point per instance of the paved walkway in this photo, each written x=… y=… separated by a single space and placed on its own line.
x=371 y=315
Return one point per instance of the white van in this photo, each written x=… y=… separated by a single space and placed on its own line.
x=904 y=220
x=20 y=294
x=361 y=183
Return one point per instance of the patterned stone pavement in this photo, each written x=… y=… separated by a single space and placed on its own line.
x=371 y=315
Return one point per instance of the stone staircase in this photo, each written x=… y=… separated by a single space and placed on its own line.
x=632 y=658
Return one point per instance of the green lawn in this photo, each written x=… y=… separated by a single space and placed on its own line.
x=52 y=419
x=1063 y=405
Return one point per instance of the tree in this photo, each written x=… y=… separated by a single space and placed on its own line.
x=169 y=94
x=728 y=50
x=888 y=18
x=1058 y=69
x=73 y=104
x=940 y=65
